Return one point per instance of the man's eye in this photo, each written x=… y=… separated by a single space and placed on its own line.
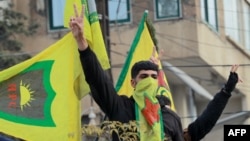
x=154 y=76
x=143 y=76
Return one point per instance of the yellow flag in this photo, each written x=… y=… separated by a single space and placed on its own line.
x=92 y=29
x=40 y=97
x=141 y=49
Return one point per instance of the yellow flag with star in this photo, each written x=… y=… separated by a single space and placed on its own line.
x=40 y=97
x=142 y=48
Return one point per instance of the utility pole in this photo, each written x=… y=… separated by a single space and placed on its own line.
x=102 y=9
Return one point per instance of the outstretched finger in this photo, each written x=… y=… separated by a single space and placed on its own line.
x=70 y=22
x=234 y=68
x=83 y=11
x=161 y=54
x=75 y=10
x=154 y=52
x=153 y=57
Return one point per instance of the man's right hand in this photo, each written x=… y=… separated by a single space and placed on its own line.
x=76 y=25
x=232 y=79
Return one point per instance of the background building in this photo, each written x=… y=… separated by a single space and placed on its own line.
x=201 y=40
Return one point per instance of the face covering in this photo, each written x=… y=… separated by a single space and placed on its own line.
x=148 y=114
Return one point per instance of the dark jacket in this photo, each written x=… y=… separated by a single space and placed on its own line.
x=206 y=121
x=116 y=107
x=122 y=108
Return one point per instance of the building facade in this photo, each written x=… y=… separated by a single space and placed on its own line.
x=201 y=40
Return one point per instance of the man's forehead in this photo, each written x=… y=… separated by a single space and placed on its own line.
x=147 y=72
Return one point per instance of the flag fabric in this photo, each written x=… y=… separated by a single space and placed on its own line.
x=40 y=97
x=142 y=48
x=92 y=29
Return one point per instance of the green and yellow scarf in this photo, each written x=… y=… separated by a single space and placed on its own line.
x=148 y=113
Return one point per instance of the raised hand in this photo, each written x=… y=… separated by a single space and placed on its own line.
x=154 y=58
x=76 y=25
x=233 y=79
x=234 y=68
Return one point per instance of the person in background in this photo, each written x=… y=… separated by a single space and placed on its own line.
x=204 y=123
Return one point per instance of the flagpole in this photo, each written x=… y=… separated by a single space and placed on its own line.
x=92 y=115
x=102 y=8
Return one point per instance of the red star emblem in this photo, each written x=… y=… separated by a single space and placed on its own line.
x=150 y=112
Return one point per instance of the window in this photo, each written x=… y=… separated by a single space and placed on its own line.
x=237 y=21
x=3 y=4
x=119 y=11
x=167 y=9
x=56 y=8
x=231 y=19
x=209 y=12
